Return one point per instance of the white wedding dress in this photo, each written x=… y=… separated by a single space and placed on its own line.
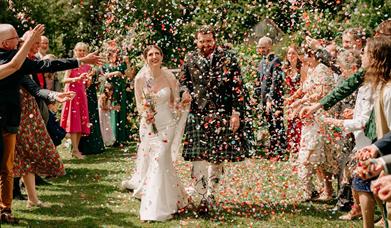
x=156 y=181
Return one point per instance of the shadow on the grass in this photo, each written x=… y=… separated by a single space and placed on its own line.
x=82 y=198
x=107 y=156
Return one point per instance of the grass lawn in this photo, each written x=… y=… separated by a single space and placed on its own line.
x=256 y=193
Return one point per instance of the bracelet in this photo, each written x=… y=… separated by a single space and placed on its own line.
x=52 y=96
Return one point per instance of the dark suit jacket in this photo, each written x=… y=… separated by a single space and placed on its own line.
x=9 y=87
x=271 y=79
x=215 y=84
x=384 y=144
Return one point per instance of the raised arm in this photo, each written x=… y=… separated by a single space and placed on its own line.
x=17 y=61
x=342 y=91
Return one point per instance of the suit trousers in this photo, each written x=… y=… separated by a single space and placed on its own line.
x=277 y=134
x=6 y=170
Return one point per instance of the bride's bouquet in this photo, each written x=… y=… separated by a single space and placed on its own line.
x=151 y=106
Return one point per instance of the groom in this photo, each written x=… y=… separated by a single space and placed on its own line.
x=214 y=126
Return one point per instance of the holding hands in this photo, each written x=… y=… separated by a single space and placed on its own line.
x=369 y=168
x=186 y=99
x=366 y=153
x=382 y=188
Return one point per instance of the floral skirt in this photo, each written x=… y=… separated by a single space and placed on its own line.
x=35 y=151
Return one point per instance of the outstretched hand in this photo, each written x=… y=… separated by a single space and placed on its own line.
x=313 y=43
x=92 y=58
x=309 y=110
x=65 y=96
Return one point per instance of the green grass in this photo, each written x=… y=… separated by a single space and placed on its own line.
x=255 y=193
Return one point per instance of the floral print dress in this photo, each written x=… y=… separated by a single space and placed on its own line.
x=35 y=151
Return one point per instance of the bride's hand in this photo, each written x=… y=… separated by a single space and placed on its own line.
x=150 y=117
x=186 y=98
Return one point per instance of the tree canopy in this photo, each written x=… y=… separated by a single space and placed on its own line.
x=171 y=23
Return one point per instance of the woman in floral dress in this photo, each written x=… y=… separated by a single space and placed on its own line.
x=292 y=70
x=35 y=152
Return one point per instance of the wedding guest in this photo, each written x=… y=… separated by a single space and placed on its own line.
x=43 y=48
x=7 y=69
x=214 y=126
x=311 y=154
x=10 y=106
x=35 y=152
x=270 y=81
x=353 y=38
x=349 y=63
x=377 y=63
x=74 y=115
x=293 y=81
x=105 y=108
x=348 y=86
x=116 y=71
x=93 y=143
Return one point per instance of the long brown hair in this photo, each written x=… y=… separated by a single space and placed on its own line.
x=287 y=67
x=384 y=28
x=379 y=54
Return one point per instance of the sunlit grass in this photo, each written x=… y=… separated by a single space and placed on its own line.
x=256 y=193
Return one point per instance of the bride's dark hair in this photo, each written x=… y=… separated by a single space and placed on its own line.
x=149 y=47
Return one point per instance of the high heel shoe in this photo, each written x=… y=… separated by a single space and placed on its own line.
x=77 y=155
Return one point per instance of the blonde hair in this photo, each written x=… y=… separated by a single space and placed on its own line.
x=80 y=45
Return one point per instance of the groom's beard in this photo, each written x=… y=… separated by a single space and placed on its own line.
x=208 y=50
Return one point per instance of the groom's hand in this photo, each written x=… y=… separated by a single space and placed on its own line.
x=235 y=122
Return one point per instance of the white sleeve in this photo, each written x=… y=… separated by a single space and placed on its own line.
x=362 y=110
x=387 y=104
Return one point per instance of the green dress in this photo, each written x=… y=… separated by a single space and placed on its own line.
x=119 y=121
x=92 y=144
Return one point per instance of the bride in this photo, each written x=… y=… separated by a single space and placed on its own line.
x=161 y=128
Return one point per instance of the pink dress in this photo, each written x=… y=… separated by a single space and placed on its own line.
x=74 y=115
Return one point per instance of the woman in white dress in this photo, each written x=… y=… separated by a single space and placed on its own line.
x=159 y=106
x=105 y=108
